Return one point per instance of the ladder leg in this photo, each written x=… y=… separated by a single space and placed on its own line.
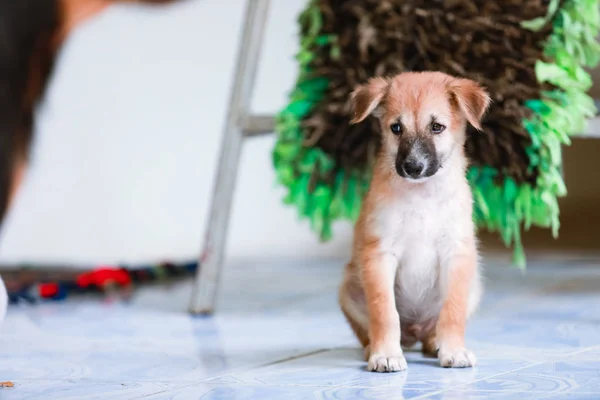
x=211 y=260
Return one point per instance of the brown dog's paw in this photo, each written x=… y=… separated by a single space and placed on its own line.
x=461 y=358
x=383 y=363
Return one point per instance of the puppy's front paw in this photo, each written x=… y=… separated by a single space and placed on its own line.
x=458 y=358
x=379 y=362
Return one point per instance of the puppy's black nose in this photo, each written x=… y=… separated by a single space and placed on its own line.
x=413 y=168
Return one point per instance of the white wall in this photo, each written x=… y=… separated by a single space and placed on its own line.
x=128 y=139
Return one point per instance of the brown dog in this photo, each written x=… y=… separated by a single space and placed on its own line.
x=32 y=33
x=414 y=272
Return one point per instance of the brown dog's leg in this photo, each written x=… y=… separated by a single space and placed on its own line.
x=75 y=12
x=450 y=330
x=378 y=274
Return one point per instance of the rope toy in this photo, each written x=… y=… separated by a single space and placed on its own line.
x=32 y=285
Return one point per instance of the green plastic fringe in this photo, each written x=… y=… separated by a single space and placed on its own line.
x=503 y=207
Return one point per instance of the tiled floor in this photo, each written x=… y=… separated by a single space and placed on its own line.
x=279 y=335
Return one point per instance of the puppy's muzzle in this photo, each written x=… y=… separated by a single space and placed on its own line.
x=416 y=159
x=413 y=168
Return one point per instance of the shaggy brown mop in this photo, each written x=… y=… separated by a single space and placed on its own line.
x=526 y=53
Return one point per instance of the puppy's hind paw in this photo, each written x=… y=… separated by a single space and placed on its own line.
x=460 y=358
x=382 y=363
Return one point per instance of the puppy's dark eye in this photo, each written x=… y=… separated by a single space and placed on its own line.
x=396 y=128
x=437 y=128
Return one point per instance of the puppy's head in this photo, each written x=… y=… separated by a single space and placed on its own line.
x=423 y=117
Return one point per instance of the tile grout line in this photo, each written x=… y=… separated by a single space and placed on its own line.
x=255 y=366
x=296 y=357
x=579 y=351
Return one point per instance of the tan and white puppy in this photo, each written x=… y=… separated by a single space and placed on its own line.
x=414 y=272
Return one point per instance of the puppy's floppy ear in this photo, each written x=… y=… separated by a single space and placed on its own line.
x=365 y=98
x=472 y=100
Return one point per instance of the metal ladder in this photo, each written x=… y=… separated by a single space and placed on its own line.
x=239 y=125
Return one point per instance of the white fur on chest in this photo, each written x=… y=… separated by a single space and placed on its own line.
x=423 y=229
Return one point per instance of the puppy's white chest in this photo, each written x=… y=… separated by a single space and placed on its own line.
x=418 y=233
x=413 y=229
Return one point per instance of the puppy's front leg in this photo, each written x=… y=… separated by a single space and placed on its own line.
x=379 y=274
x=450 y=329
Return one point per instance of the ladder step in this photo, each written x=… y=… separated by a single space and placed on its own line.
x=256 y=125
